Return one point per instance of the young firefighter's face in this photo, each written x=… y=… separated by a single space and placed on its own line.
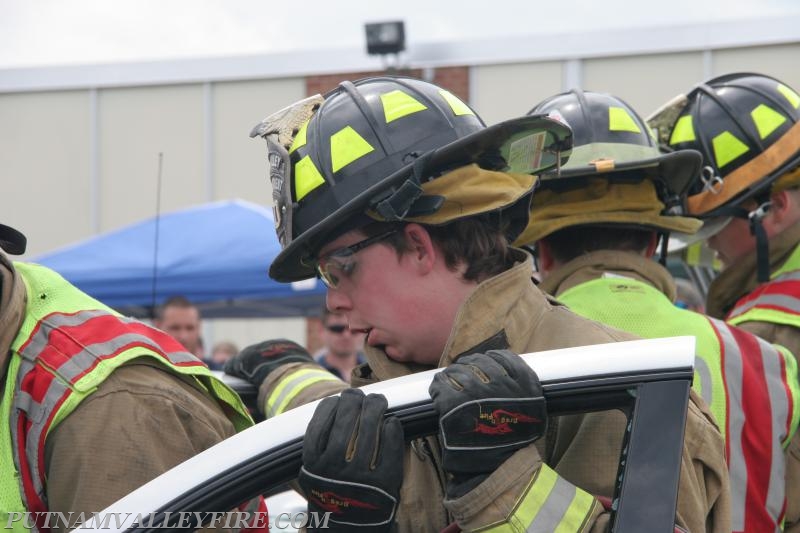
x=387 y=297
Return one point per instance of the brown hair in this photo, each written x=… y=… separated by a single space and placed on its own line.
x=568 y=243
x=481 y=247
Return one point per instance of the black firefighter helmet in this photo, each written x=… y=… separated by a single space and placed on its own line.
x=376 y=147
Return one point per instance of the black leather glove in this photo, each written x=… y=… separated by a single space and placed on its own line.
x=490 y=405
x=255 y=362
x=353 y=463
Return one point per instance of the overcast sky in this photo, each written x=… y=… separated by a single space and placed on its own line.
x=57 y=32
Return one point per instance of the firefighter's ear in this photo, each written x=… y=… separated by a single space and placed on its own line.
x=545 y=257
x=421 y=250
x=784 y=211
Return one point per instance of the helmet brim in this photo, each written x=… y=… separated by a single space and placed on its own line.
x=676 y=170
x=511 y=140
x=12 y=241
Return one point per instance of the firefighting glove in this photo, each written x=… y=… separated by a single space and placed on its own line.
x=353 y=463
x=255 y=362
x=490 y=405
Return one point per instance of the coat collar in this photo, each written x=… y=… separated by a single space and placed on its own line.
x=602 y=263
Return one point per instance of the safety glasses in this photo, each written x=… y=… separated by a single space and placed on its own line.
x=341 y=262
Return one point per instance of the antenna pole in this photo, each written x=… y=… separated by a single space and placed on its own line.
x=155 y=246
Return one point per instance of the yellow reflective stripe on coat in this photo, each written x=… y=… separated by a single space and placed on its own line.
x=549 y=504
x=292 y=385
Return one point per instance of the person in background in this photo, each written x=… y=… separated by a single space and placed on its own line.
x=220 y=353
x=181 y=319
x=81 y=435
x=747 y=128
x=342 y=348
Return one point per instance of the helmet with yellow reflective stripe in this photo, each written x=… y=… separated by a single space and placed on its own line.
x=746 y=126
x=615 y=176
x=611 y=139
x=374 y=146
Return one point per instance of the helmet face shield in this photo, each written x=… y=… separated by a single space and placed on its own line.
x=711 y=226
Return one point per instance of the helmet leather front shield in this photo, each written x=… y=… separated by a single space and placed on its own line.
x=279 y=130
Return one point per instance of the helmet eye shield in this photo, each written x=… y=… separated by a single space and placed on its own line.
x=343 y=259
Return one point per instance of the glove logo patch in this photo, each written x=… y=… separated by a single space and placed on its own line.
x=337 y=504
x=493 y=423
x=278 y=349
x=500 y=422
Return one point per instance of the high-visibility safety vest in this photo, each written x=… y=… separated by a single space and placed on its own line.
x=750 y=385
x=67 y=346
x=776 y=302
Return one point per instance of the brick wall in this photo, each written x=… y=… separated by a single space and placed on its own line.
x=454 y=79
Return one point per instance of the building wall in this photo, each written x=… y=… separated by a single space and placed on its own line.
x=501 y=92
x=135 y=126
x=239 y=161
x=780 y=61
x=45 y=166
x=644 y=82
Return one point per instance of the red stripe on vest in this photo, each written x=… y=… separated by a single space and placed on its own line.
x=34 y=504
x=66 y=341
x=777 y=287
x=757 y=435
x=36 y=383
x=788 y=391
x=771 y=307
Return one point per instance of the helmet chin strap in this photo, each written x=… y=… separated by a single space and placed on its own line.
x=755 y=219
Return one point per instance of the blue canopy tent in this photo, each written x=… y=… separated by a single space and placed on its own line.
x=216 y=255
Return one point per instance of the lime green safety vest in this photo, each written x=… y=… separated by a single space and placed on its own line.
x=777 y=301
x=750 y=386
x=67 y=346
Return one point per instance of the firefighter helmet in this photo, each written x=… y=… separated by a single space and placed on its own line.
x=378 y=146
x=615 y=176
x=746 y=126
